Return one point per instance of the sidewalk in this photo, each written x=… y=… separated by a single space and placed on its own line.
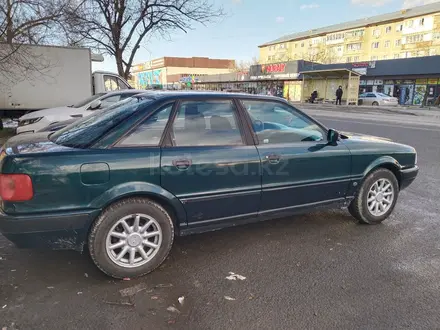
x=401 y=110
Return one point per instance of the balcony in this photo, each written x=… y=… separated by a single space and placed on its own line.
x=350 y=38
x=416 y=45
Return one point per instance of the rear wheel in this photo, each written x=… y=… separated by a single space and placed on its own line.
x=376 y=197
x=131 y=238
x=375 y=103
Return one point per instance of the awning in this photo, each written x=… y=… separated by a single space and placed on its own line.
x=329 y=73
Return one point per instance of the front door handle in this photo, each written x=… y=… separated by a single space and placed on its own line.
x=273 y=158
x=182 y=164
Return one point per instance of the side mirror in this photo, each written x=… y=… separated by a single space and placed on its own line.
x=332 y=136
x=95 y=105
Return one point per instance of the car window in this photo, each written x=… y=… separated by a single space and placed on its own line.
x=206 y=123
x=86 y=131
x=149 y=132
x=108 y=101
x=371 y=95
x=275 y=122
x=122 y=84
x=87 y=100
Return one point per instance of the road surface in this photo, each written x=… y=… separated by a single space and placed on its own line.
x=316 y=271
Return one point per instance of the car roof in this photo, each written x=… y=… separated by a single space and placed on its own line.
x=161 y=95
x=124 y=91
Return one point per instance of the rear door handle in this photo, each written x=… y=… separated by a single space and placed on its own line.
x=182 y=164
x=273 y=158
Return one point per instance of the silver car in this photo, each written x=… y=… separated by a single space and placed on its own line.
x=375 y=98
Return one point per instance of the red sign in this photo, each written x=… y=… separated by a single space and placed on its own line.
x=273 y=68
x=361 y=65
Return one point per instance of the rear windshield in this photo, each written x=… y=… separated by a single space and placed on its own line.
x=87 y=130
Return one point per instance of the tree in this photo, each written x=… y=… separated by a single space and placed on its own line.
x=119 y=27
x=25 y=22
x=244 y=66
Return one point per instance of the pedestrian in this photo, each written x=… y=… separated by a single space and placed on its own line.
x=339 y=93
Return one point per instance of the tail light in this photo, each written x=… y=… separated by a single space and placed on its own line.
x=16 y=187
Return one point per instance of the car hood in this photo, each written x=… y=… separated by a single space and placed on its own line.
x=365 y=137
x=32 y=143
x=63 y=111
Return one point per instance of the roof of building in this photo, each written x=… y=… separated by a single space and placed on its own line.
x=401 y=14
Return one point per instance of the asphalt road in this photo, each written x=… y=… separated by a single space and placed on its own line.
x=316 y=271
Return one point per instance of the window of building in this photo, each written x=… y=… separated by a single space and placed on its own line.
x=396 y=56
x=302 y=44
x=282 y=46
x=398 y=42
x=420 y=53
x=436 y=36
x=376 y=32
x=348 y=59
x=388 y=29
x=335 y=36
x=399 y=27
x=269 y=118
x=414 y=38
x=356 y=46
x=355 y=33
x=407 y=54
x=422 y=22
x=387 y=44
x=375 y=44
x=206 y=123
x=409 y=23
x=374 y=58
x=356 y=59
x=150 y=131
x=385 y=57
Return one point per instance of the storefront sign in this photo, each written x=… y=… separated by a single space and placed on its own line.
x=432 y=81
x=370 y=82
x=276 y=76
x=421 y=81
x=370 y=65
x=273 y=68
x=378 y=82
x=389 y=82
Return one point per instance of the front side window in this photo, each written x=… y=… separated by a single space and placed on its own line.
x=206 y=123
x=275 y=122
x=149 y=132
x=110 y=83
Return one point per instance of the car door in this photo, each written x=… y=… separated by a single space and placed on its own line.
x=210 y=164
x=370 y=98
x=299 y=166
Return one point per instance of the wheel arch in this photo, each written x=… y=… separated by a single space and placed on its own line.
x=167 y=200
x=386 y=162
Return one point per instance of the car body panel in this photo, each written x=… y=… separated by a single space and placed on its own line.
x=72 y=186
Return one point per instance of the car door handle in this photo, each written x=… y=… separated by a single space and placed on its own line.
x=273 y=158
x=182 y=164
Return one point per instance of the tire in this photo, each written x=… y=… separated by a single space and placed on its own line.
x=359 y=208
x=375 y=103
x=128 y=212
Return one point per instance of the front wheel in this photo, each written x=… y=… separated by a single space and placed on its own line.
x=376 y=198
x=131 y=238
x=375 y=103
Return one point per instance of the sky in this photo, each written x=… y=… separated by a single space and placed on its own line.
x=250 y=23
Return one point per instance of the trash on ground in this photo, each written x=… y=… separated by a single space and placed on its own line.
x=173 y=309
x=79 y=292
x=229 y=298
x=154 y=297
x=4 y=306
x=181 y=299
x=13 y=270
x=51 y=287
x=233 y=277
x=131 y=291
x=169 y=285
x=126 y=279
x=86 y=275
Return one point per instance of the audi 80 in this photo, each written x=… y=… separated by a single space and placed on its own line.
x=123 y=182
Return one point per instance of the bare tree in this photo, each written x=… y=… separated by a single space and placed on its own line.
x=119 y=27
x=25 y=22
x=243 y=66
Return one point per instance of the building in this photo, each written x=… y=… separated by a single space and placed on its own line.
x=411 y=79
x=174 y=72
x=407 y=33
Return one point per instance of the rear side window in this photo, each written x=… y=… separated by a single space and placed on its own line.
x=149 y=132
x=86 y=131
x=206 y=123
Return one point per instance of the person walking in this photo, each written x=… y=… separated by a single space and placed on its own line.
x=339 y=93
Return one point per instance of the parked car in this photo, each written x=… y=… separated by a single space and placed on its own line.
x=61 y=124
x=378 y=99
x=34 y=121
x=125 y=181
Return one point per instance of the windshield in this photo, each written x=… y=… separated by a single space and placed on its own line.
x=84 y=132
x=87 y=100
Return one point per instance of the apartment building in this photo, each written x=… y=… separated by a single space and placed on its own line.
x=407 y=33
